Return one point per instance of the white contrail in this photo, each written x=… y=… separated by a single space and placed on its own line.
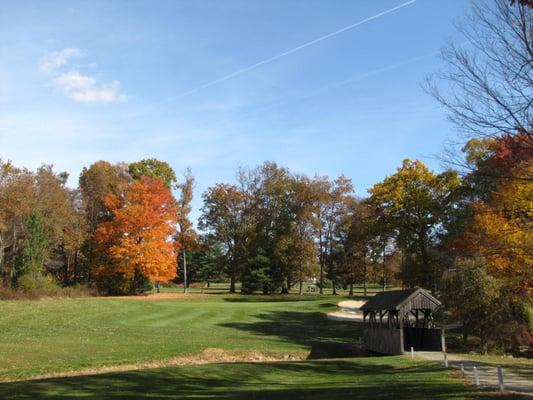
x=338 y=84
x=286 y=53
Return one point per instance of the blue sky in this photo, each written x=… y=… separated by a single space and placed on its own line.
x=82 y=81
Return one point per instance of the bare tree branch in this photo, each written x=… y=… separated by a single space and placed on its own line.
x=487 y=88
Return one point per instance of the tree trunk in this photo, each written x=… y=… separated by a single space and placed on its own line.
x=158 y=287
x=232 y=279
x=321 y=257
x=334 y=286
x=75 y=268
x=185 y=285
x=301 y=288
x=384 y=282
x=351 y=289
x=465 y=333
x=1 y=255
x=66 y=266
x=427 y=264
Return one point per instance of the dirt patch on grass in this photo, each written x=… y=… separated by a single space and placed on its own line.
x=208 y=356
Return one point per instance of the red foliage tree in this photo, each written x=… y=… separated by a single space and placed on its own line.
x=138 y=238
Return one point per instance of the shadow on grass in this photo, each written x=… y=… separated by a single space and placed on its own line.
x=334 y=379
x=323 y=337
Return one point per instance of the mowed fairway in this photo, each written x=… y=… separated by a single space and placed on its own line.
x=52 y=336
x=65 y=336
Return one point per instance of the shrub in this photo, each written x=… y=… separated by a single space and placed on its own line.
x=486 y=307
x=43 y=283
x=38 y=287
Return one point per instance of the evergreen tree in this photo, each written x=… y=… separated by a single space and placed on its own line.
x=35 y=248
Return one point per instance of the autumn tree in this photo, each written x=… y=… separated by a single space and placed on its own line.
x=331 y=201
x=44 y=192
x=335 y=206
x=321 y=188
x=17 y=195
x=225 y=215
x=416 y=204
x=136 y=243
x=356 y=235
x=153 y=168
x=303 y=249
x=270 y=189
x=186 y=235
x=497 y=221
x=95 y=183
x=61 y=211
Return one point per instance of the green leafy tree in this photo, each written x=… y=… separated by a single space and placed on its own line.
x=208 y=265
x=484 y=306
x=416 y=205
x=35 y=248
x=226 y=216
x=153 y=168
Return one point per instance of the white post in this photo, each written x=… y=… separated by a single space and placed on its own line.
x=500 y=379
x=412 y=353
x=462 y=369
x=443 y=347
x=476 y=376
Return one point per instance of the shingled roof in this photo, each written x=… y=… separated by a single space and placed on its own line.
x=399 y=299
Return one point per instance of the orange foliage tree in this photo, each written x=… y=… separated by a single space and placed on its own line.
x=502 y=229
x=137 y=240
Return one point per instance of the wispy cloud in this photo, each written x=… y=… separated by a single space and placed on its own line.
x=85 y=88
x=57 y=59
x=76 y=85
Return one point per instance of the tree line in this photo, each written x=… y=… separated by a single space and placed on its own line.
x=116 y=231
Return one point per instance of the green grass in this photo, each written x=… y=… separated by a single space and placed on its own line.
x=520 y=366
x=357 y=379
x=50 y=336
x=57 y=336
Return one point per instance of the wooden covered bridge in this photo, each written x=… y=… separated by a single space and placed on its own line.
x=397 y=320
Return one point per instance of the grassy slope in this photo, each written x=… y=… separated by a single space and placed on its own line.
x=364 y=378
x=39 y=337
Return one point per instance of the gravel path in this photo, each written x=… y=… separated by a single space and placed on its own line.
x=488 y=374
